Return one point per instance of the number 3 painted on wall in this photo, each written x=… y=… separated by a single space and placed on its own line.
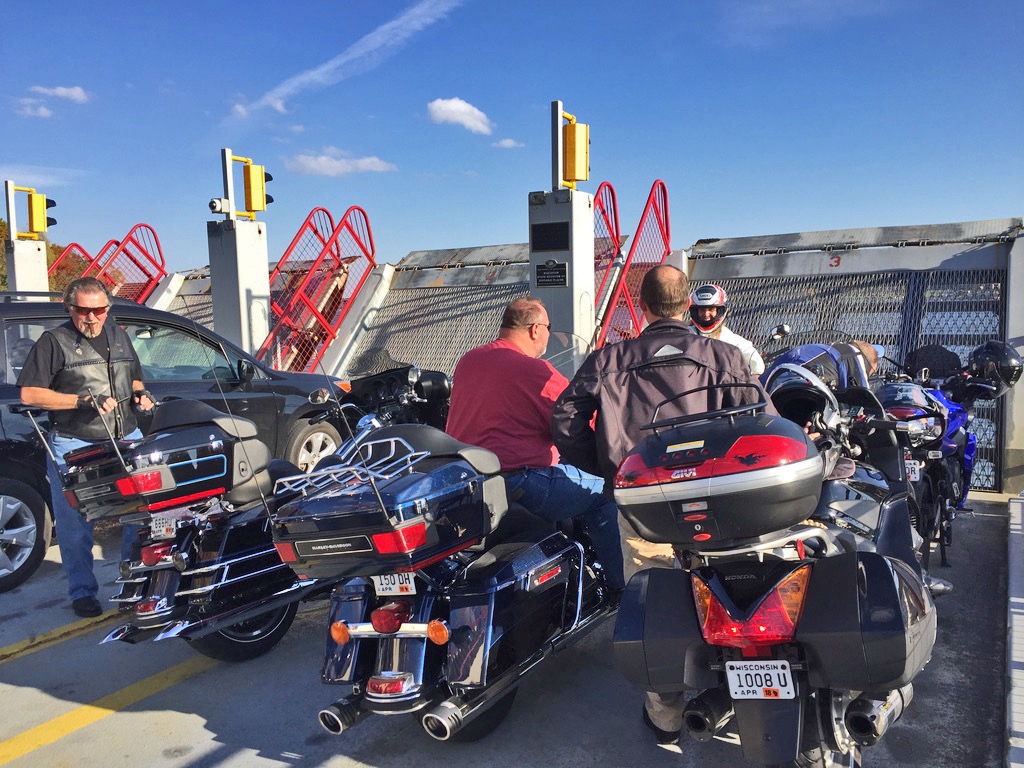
x=834 y=261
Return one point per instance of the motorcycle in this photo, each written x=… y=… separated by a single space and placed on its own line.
x=798 y=619
x=941 y=455
x=452 y=595
x=205 y=567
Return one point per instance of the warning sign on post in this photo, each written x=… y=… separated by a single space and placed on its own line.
x=552 y=274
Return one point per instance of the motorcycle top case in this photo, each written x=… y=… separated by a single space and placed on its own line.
x=721 y=482
x=193 y=452
x=398 y=524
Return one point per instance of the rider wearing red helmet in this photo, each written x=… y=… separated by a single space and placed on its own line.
x=709 y=305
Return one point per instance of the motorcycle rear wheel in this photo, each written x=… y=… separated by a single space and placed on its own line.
x=248 y=639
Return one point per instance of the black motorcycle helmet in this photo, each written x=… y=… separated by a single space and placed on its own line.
x=997 y=363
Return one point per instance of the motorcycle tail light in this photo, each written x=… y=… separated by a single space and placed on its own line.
x=748 y=453
x=340 y=633
x=401 y=540
x=152 y=554
x=140 y=482
x=71 y=499
x=181 y=501
x=389 y=684
x=773 y=621
x=286 y=551
x=389 y=618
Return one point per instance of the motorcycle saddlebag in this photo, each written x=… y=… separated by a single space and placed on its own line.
x=399 y=524
x=658 y=644
x=868 y=623
x=168 y=469
x=514 y=599
x=717 y=483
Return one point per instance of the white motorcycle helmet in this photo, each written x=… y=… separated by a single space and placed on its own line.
x=705 y=297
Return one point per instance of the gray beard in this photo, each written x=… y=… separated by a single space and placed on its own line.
x=91 y=333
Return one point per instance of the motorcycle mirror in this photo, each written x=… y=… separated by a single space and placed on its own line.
x=319 y=396
x=781 y=331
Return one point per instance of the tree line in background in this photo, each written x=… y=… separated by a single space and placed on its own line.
x=52 y=253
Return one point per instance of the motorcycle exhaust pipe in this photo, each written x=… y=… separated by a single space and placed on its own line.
x=868 y=719
x=705 y=714
x=444 y=720
x=342 y=715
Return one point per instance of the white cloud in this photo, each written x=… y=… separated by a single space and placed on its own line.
x=33 y=108
x=75 y=93
x=362 y=55
x=39 y=176
x=756 y=23
x=508 y=144
x=459 y=112
x=335 y=162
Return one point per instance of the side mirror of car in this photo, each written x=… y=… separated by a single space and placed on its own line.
x=246 y=371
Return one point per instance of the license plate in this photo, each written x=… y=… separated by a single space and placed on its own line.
x=394 y=584
x=765 y=679
x=913 y=470
x=163 y=526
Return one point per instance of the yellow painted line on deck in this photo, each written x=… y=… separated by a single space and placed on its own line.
x=59 y=635
x=87 y=714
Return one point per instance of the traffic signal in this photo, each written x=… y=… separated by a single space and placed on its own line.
x=38 y=205
x=256 y=197
x=576 y=152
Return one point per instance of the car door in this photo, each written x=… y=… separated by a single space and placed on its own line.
x=184 y=363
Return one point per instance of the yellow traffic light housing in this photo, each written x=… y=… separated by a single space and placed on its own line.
x=255 y=179
x=38 y=204
x=576 y=152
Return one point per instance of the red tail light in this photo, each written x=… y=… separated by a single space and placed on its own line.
x=389 y=618
x=389 y=684
x=152 y=554
x=286 y=552
x=902 y=414
x=748 y=453
x=772 y=622
x=180 y=501
x=402 y=540
x=141 y=482
x=71 y=499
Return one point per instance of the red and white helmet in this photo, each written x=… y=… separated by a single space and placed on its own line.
x=706 y=296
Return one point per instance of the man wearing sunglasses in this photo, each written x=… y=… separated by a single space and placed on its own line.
x=86 y=375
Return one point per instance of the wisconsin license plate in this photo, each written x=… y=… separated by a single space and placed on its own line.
x=394 y=584
x=764 y=679
x=913 y=470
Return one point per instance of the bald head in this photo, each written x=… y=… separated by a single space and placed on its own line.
x=665 y=293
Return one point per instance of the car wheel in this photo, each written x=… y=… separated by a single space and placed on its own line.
x=308 y=443
x=25 y=531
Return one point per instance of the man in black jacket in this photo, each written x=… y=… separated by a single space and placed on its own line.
x=622 y=384
x=86 y=375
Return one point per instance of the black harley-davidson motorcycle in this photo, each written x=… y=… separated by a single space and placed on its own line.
x=799 y=617
x=452 y=595
x=201 y=482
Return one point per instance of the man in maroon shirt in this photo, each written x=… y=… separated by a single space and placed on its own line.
x=502 y=399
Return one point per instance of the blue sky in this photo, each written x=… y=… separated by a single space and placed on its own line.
x=761 y=116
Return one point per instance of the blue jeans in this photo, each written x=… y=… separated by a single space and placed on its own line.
x=74 y=532
x=562 y=492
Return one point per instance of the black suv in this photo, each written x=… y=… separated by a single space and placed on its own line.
x=180 y=359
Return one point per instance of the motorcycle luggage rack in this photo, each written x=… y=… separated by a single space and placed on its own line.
x=379 y=460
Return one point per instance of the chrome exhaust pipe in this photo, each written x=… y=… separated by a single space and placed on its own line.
x=706 y=714
x=868 y=719
x=447 y=718
x=342 y=715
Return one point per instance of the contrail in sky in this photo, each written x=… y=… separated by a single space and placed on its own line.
x=365 y=53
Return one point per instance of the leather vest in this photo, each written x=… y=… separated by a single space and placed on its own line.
x=85 y=370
